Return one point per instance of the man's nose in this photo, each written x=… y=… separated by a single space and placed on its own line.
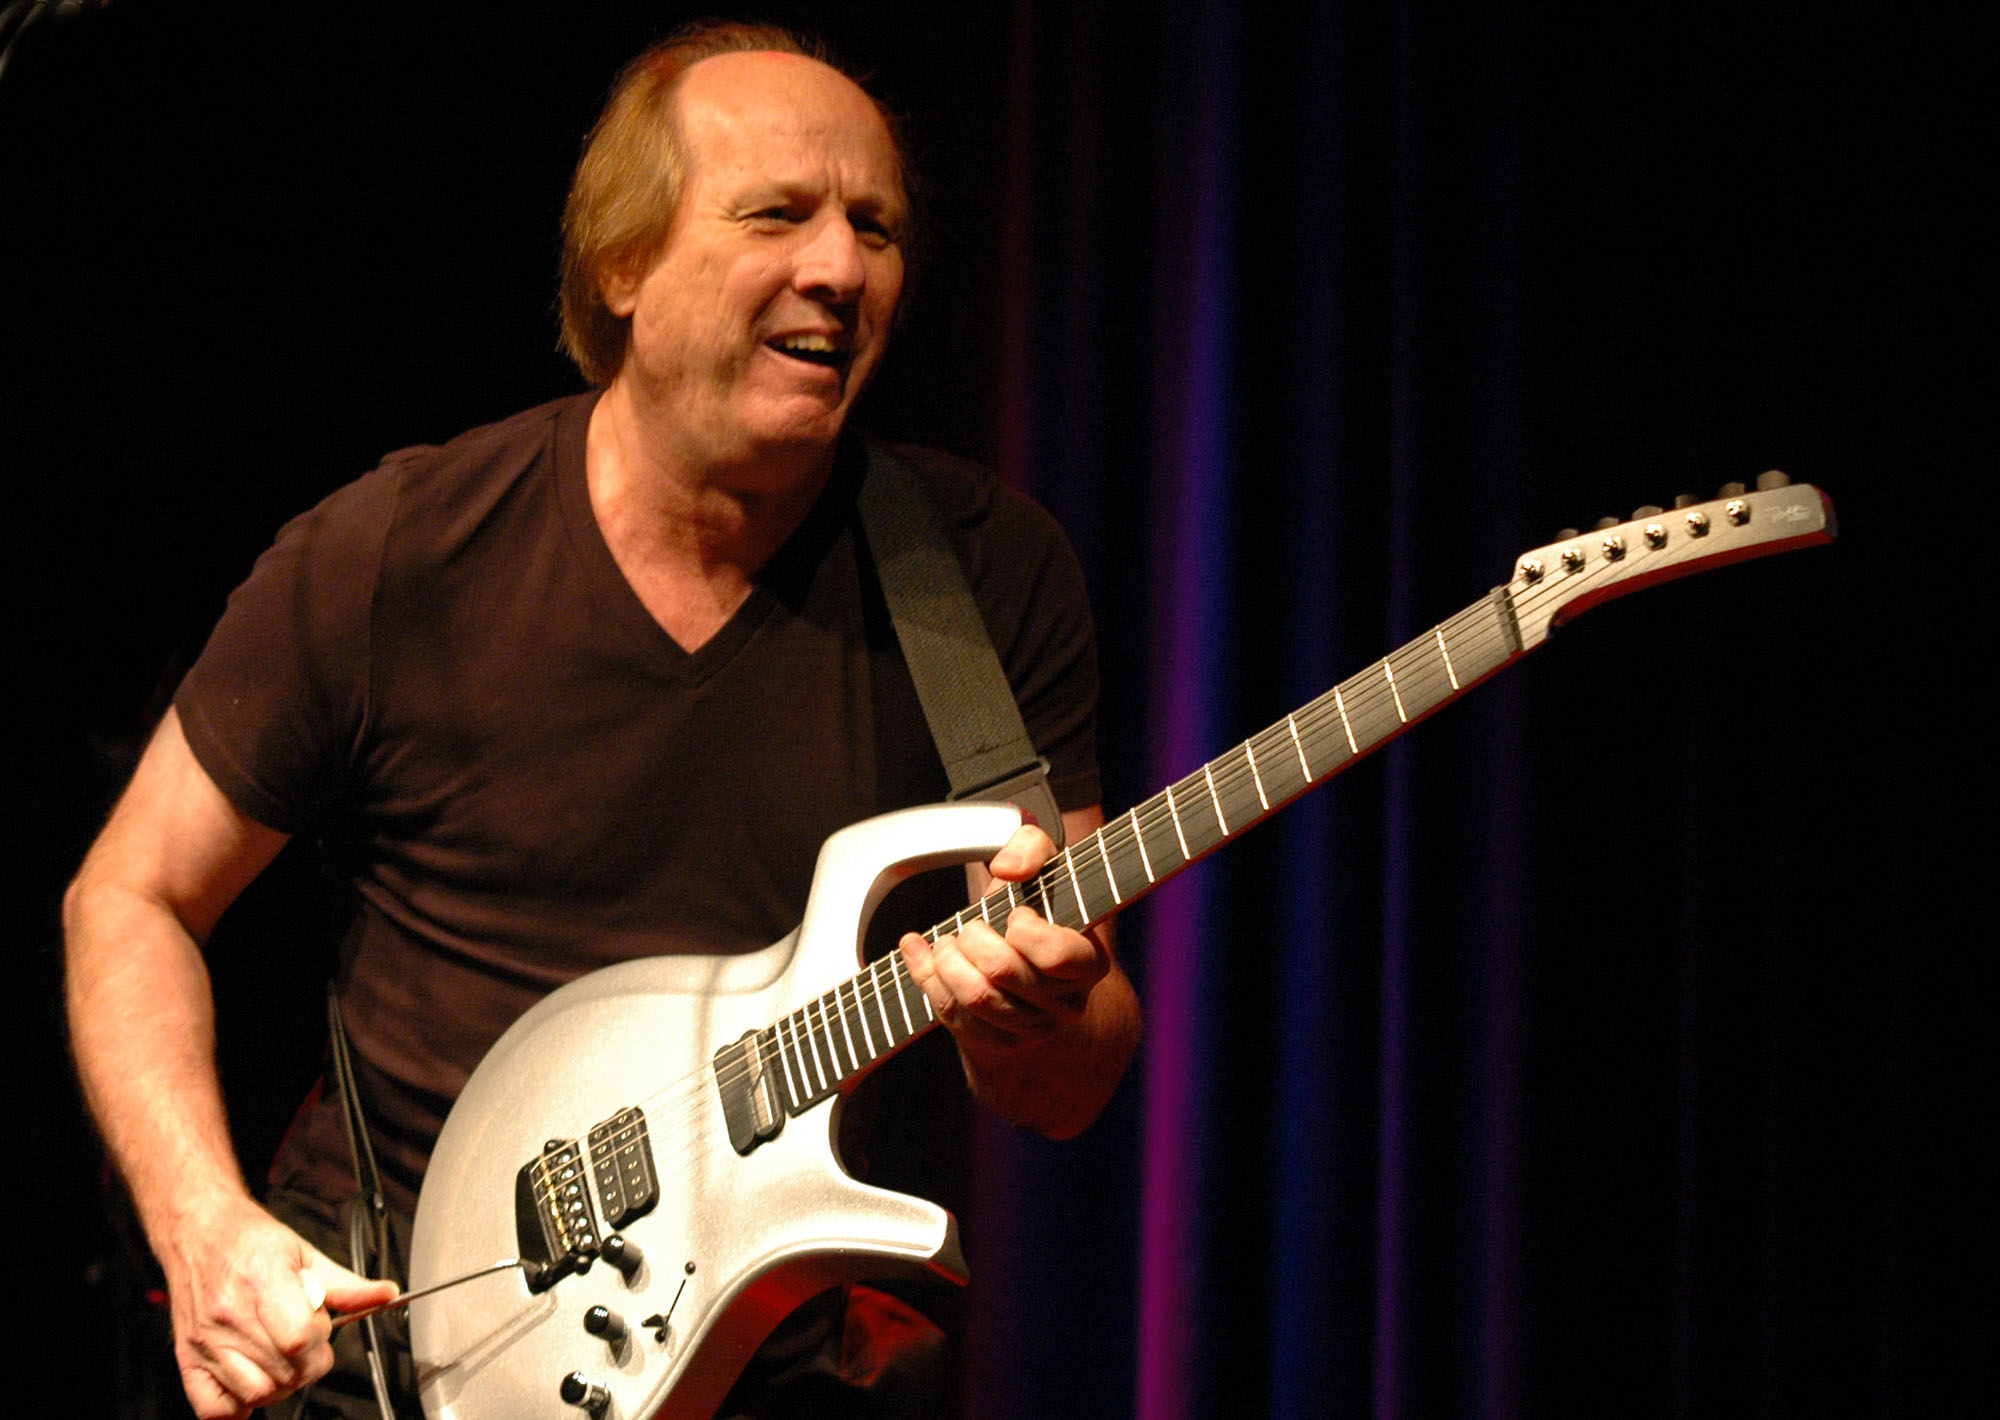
x=831 y=263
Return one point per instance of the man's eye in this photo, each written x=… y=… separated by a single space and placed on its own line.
x=874 y=233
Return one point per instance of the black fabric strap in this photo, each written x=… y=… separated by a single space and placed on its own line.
x=973 y=717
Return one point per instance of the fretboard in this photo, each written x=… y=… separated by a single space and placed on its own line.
x=828 y=1042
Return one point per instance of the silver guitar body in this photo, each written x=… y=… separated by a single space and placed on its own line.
x=736 y=1240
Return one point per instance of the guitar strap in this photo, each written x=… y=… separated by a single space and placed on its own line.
x=973 y=718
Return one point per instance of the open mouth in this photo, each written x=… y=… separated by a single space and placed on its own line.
x=813 y=348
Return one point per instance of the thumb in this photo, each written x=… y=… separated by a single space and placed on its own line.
x=327 y=1283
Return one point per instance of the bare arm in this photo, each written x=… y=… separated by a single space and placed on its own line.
x=246 y=1291
x=1045 y=1018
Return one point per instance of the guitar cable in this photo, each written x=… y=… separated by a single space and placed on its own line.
x=368 y=1211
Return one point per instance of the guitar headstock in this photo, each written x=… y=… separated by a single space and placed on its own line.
x=1553 y=583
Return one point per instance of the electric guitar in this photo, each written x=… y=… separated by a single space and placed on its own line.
x=640 y=1180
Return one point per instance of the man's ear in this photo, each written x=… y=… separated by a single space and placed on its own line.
x=618 y=285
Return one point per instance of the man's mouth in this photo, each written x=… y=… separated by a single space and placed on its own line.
x=811 y=347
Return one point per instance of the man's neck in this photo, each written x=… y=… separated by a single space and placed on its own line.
x=691 y=535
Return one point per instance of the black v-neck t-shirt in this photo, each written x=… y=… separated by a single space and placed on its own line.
x=442 y=675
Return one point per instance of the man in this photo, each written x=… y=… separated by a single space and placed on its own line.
x=529 y=687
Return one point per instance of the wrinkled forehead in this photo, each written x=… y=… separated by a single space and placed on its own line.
x=768 y=107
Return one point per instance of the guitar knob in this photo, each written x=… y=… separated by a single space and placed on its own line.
x=622 y=1253
x=578 y=1390
x=606 y=1325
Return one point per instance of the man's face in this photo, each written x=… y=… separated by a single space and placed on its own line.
x=767 y=310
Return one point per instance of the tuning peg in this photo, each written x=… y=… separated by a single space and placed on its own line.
x=1603 y=523
x=1731 y=490
x=1773 y=478
x=1649 y=510
x=1685 y=500
x=1565 y=534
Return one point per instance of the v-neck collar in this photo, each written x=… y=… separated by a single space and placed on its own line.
x=784 y=581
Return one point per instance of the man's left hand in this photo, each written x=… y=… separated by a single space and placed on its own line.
x=1044 y=1018
x=992 y=990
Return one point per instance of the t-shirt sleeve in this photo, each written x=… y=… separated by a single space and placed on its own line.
x=275 y=706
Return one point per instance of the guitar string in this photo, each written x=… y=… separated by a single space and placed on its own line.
x=1376 y=686
x=1426 y=686
x=1426 y=678
x=1424 y=682
x=867 y=988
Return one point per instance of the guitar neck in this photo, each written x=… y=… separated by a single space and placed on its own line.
x=830 y=1041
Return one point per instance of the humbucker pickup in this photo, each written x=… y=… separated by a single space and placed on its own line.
x=555 y=1217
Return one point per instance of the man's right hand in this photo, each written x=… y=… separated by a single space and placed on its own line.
x=251 y=1302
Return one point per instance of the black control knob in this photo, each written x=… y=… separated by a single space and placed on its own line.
x=606 y=1325
x=578 y=1390
x=622 y=1253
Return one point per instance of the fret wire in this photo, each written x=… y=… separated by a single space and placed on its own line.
x=808 y=1057
x=1110 y=876
x=861 y=1014
x=1216 y=799
x=1139 y=836
x=1292 y=724
x=903 y=1000
x=1449 y=669
x=1082 y=910
x=814 y=1034
x=882 y=1003
x=836 y=1030
x=1395 y=694
x=1340 y=704
x=794 y=1069
x=833 y=1031
x=1250 y=754
x=1176 y=813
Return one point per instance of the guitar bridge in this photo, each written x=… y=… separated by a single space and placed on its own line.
x=555 y=1219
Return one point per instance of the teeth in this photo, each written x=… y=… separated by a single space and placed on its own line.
x=810 y=343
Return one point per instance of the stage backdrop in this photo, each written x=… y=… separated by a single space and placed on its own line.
x=1601 y=1047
